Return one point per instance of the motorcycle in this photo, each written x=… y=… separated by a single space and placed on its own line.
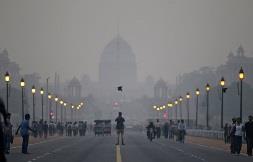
x=151 y=134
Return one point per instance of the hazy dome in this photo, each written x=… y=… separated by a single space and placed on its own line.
x=118 y=64
x=118 y=50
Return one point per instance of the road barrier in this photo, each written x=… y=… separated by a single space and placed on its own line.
x=214 y=134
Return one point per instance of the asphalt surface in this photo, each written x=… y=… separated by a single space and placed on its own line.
x=137 y=149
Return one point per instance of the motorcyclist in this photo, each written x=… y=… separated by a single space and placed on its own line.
x=151 y=128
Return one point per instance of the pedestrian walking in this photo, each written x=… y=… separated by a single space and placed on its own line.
x=45 y=129
x=35 y=128
x=232 y=136
x=120 y=128
x=40 y=128
x=24 y=131
x=166 y=130
x=238 y=136
x=171 y=134
x=181 y=131
x=158 y=129
x=249 y=135
x=8 y=137
x=226 y=133
x=4 y=114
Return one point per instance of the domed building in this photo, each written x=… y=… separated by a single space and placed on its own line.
x=118 y=65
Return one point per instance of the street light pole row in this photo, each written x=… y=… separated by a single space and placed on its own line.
x=208 y=88
x=7 y=79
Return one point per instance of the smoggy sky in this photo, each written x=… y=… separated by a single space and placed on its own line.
x=169 y=37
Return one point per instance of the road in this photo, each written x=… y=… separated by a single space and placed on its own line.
x=137 y=149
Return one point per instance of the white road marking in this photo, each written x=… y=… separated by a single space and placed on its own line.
x=185 y=153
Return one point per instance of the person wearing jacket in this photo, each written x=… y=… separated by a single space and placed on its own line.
x=232 y=136
x=249 y=135
x=24 y=131
x=238 y=136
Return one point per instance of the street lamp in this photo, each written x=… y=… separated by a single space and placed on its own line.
x=50 y=106
x=7 y=80
x=72 y=108
x=180 y=107
x=188 y=96
x=42 y=97
x=176 y=103
x=241 y=77
x=223 y=89
x=65 y=113
x=170 y=105
x=56 y=104
x=22 y=85
x=61 y=102
x=197 y=92
x=207 y=104
x=77 y=114
x=33 y=94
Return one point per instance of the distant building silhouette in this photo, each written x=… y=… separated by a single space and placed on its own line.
x=117 y=65
x=74 y=90
x=161 y=90
x=234 y=61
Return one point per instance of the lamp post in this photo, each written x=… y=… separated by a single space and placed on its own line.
x=241 y=77
x=176 y=103
x=65 y=113
x=50 y=106
x=222 y=84
x=77 y=114
x=197 y=106
x=170 y=105
x=207 y=104
x=188 y=96
x=180 y=107
x=154 y=107
x=56 y=104
x=22 y=85
x=72 y=108
x=61 y=102
x=33 y=94
x=7 y=80
x=42 y=98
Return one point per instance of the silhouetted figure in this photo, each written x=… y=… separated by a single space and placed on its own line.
x=4 y=114
x=166 y=130
x=8 y=137
x=171 y=131
x=181 y=131
x=158 y=129
x=45 y=129
x=238 y=136
x=226 y=133
x=120 y=128
x=151 y=131
x=24 y=131
x=35 y=127
x=40 y=128
x=249 y=135
x=232 y=136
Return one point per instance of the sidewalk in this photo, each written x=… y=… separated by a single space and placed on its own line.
x=212 y=143
x=18 y=140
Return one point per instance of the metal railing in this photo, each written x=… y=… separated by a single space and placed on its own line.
x=214 y=134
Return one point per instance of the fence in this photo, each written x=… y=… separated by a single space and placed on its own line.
x=206 y=133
